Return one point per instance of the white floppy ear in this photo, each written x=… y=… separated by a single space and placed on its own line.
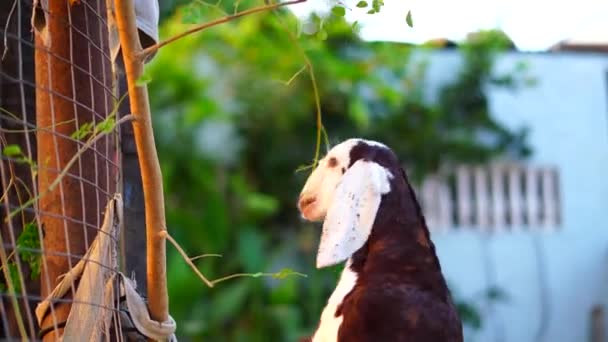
x=352 y=213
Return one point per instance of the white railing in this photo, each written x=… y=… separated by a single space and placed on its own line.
x=495 y=197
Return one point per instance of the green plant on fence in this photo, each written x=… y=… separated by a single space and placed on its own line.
x=28 y=241
x=28 y=247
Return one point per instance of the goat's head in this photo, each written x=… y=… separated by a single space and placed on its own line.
x=345 y=190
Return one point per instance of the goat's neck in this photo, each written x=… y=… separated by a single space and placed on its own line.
x=400 y=253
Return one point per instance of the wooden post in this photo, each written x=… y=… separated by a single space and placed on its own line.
x=481 y=199
x=515 y=197
x=150 y=169
x=463 y=196
x=73 y=79
x=445 y=207
x=429 y=196
x=498 y=214
x=549 y=194
x=532 y=196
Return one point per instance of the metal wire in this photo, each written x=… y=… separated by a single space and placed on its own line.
x=76 y=80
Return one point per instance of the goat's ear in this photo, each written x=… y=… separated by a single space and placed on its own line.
x=352 y=213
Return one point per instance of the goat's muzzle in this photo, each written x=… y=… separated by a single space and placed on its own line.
x=306 y=205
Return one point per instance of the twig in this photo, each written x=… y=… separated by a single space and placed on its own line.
x=253 y=275
x=205 y=256
x=67 y=167
x=292 y=78
x=11 y=290
x=313 y=80
x=166 y=235
x=149 y=50
x=8 y=21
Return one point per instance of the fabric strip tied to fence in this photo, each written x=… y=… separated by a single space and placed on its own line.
x=95 y=304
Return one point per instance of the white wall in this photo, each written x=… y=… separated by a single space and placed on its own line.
x=567 y=115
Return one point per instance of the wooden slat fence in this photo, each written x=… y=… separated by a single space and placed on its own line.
x=494 y=197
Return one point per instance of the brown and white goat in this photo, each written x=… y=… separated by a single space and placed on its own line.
x=391 y=288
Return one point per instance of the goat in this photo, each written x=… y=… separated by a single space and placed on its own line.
x=391 y=288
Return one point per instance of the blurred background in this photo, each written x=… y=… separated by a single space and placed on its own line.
x=497 y=110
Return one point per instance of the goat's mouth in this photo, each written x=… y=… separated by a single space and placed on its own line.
x=307 y=207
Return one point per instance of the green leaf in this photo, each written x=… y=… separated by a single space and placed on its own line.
x=377 y=4
x=355 y=25
x=27 y=242
x=338 y=11
x=372 y=11
x=408 y=19
x=106 y=126
x=12 y=151
x=362 y=4
x=82 y=132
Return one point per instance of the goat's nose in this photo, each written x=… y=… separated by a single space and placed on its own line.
x=304 y=201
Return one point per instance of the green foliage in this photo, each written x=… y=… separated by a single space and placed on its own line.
x=339 y=11
x=90 y=128
x=231 y=132
x=106 y=126
x=14 y=151
x=408 y=19
x=376 y=6
x=83 y=131
x=27 y=243
x=15 y=279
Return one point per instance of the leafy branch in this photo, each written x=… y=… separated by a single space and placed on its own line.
x=108 y=128
x=27 y=243
x=149 y=50
x=311 y=72
x=282 y=274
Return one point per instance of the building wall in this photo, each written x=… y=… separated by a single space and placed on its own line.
x=566 y=113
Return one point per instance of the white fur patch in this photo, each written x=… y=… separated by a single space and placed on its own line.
x=352 y=212
x=329 y=325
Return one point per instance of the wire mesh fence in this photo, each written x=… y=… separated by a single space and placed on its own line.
x=60 y=164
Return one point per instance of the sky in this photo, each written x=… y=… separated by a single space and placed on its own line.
x=533 y=25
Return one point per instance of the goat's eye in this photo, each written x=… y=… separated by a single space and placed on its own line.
x=332 y=162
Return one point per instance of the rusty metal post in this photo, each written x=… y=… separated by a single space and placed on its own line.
x=74 y=86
